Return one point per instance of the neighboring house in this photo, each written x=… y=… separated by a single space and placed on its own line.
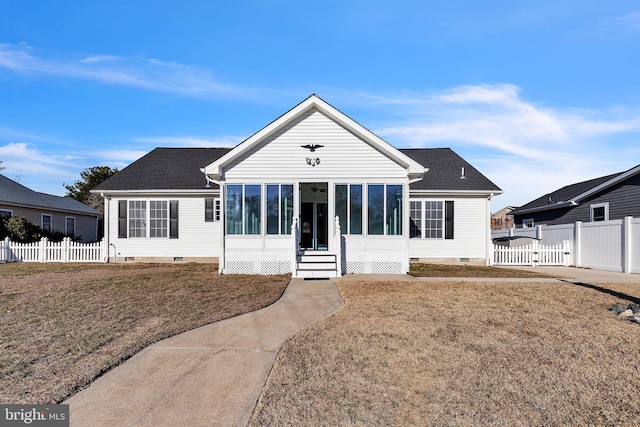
x=502 y=220
x=601 y=199
x=269 y=204
x=51 y=213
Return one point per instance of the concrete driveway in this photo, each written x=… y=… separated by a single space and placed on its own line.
x=210 y=376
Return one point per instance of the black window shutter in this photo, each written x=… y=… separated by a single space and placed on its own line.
x=208 y=209
x=122 y=219
x=173 y=219
x=448 y=219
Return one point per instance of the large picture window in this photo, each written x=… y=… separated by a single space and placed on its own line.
x=243 y=209
x=279 y=208
x=349 y=208
x=384 y=209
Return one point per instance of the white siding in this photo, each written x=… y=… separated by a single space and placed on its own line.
x=343 y=157
x=196 y=238
x=470 y=233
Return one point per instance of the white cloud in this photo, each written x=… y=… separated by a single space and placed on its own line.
x=192 y=141
x=135 y=71
x=631 y=20
x=525 y=148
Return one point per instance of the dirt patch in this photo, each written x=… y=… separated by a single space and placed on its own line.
x=62 y=326
x=456 y=270
x=461 y=353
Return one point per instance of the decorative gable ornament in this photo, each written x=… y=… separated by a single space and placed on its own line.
x=313 y=161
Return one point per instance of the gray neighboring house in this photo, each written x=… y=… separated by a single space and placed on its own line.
x=52 y=213
x=605 y=198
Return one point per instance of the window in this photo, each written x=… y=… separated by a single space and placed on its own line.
x=70 y=226
x=137 y=218
x=158 y=218
x=46 y=222
x=243 y=209
x=528 y=222
x=349 y=208
x=431 y=219
x=5 y=213
x=279 y=208
x=211 y=209
x=384 y=209
x=600 y=212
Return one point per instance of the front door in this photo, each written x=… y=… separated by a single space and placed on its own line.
x=314 y=217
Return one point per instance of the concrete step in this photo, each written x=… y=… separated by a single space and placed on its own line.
x=316 y=258
x=316 y=274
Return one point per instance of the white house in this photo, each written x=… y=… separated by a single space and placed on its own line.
x=313 y=193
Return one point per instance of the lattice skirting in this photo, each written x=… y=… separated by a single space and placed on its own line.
x=375 y=263
x=255 y=263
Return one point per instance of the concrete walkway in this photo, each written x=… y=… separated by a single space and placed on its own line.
x=210 y=376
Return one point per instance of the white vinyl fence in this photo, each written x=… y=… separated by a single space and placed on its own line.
x=603 y=245
x=46 y=251
x=534 y=254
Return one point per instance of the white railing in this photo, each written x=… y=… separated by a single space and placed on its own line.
x=46 y=251
x=534 y=254
x=338 y=243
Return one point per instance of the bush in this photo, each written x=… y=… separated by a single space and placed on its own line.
x=20 y=229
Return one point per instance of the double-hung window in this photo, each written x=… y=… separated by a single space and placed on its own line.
x=148 y=218
x=384 y=209
x=431 y=219
x=70 y=226
x=349 y=208
x=46 y=222
x=158 y=218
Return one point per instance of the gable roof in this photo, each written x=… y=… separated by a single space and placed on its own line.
x=572 y=195
x=414 y=169
x=445 y=172
x=14 y=194
x=178 y=169
x=165 y=169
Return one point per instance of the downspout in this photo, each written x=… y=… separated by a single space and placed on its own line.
x=221 y=257
x=105 y=242
x=489 y=250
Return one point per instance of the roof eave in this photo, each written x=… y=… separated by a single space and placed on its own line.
x=631 y=172
x=487 y=193
x=545 y=208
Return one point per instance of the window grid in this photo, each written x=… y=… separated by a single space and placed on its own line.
x=137 y=218
x=158 y=218
x=426 y=219
x=415 y=214
x=70 y=225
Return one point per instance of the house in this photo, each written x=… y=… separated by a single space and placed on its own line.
x=600 y=199
x=313 y=193
x=51 y=213
x=502 y=219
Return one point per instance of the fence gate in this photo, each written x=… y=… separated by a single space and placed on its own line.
x=533 y=255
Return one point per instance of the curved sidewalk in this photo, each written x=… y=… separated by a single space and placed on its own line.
x=210 y=376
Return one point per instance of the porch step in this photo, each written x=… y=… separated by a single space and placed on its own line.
x=316 y=265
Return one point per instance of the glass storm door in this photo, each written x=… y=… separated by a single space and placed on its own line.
x=314 y=226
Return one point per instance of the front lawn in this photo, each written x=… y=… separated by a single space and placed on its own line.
x=466 y=270
x=461 y=353
x=62 y=325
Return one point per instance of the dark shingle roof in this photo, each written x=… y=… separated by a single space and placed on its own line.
x=565 y=194
x=165 y=169
x=445 y=169
x=179 y=169
x=12 y=193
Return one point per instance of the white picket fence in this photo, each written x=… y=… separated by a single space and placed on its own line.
x=46 y=251
x=534 y=254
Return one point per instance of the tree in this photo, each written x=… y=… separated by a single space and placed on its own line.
x=91 y=177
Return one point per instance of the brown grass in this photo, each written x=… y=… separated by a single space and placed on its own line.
x=461 y=353
x=62 y=325
x=466 y=270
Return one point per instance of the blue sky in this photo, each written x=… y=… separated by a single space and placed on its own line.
x=535 y=94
